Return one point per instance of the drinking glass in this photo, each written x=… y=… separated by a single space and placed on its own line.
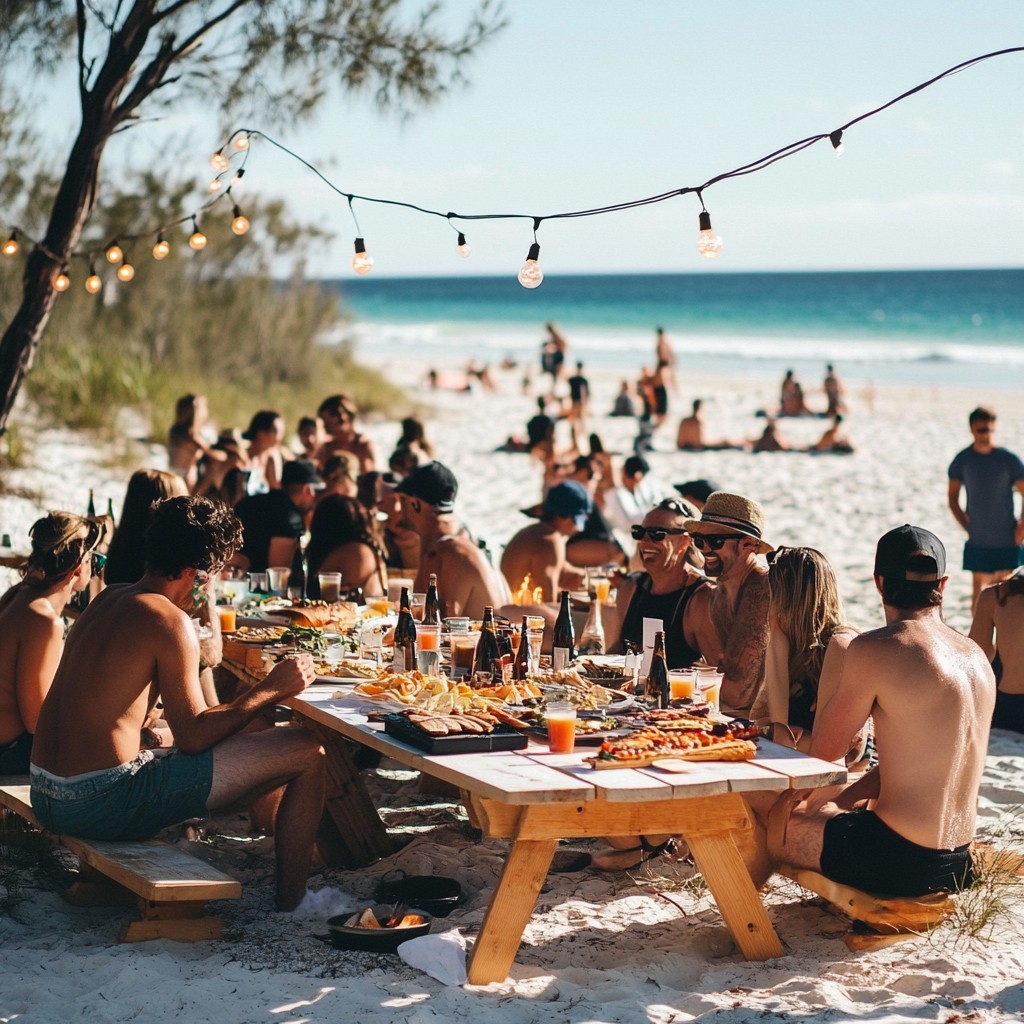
x=417 y=602
x=561 y=716
x=428 y=649
x=277 y=579
x=226 y=615
x=536 y=637
x=395 y=586
x=258 y=582
x=463 y=652
x=330 y=586
x=682 y=682
x=709 y=682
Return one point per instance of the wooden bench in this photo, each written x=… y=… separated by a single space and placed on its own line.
x=883 y=920
x=170 y=887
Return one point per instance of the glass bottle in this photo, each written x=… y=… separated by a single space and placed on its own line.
x=432 y=603
x=658 y=691
x=563 y=650
x=297 y=576
x=592 y=637
x=523 y=665
x=405 y=636
x=507 y=655
x=90 y=510
x=487 y=649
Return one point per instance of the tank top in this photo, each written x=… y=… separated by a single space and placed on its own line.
x=670 y=608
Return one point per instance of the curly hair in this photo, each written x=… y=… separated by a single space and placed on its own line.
x=190 y=533
x=60 y=540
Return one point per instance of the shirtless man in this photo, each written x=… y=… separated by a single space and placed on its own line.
x=466 y=580
x=538 y=550
x=729 y=534
x=134 y=645
x=339 y=414
x=690 y=437
x=930 y=692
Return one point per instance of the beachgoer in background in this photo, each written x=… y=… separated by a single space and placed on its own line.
x=806 y=648
x=665 y=356
x=274 y=522
x=596 y=543
x=697 y=492
x=625 y=404
x=791 y=397
x=660 y=380
x=31 y=627
x=467 y=582
x=134 y=646
x=579 y=399
x=401 y=544
x=770 y=440
x=833 y=388
x=310 y=433
x=345 y=538
x=539 y=550
x=414 y=436
x=604 y=468
x=185 y=442
x=990 y=475
x=552 y=354
x=690 y=436
x=339 y=414
x=730 y=535
x=834 y=439
x=638 y=492
x=214 y=479
x=998 y=629
x=339 y=476
x=267 y=453
x=929 y=692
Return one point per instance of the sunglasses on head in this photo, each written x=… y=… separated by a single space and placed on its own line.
x=715 y=541
x=656 y=533
x=99 y=560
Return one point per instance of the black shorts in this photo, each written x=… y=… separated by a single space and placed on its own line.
x=1009 y=711
x=862 y=851
x=660 y=401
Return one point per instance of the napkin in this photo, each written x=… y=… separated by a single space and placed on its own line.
x=442 y=956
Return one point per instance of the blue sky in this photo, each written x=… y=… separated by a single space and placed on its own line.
x=581 y=103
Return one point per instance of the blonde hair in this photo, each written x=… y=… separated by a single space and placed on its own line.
x=60 y=541
x=806 y=605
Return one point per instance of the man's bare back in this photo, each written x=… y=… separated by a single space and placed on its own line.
x=467 y=581
x=537 y=551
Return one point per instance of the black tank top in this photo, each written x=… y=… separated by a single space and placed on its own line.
x=670 y=608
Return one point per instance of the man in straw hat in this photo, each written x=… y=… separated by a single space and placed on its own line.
x=729 y=533
x=905 y=828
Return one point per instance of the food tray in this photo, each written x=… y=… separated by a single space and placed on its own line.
x=583 y=739
x=502 y=738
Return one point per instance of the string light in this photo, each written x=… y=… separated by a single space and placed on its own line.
x=241 y=141
x=61 y=281
x=197 y=240
x=12 y=246
x=114 y=253
x=237 y=179
x=709 y=245
x=239 y=222
x=215 y=186
x=93 y=283
x=125 y=272
x=530 y=274
x=836 y=138
x=362 y=261
x=162 y=249
x=219 y=162
x=462 y=246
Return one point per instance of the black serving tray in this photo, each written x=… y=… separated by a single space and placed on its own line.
x=502 y=738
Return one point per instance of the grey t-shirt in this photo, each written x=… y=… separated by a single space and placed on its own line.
x=989 y=478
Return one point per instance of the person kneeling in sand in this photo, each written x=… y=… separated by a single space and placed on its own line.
x=135 y=645
x=905 y=828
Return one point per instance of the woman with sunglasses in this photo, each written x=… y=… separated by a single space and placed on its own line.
x=807 y=646
x=32 y=629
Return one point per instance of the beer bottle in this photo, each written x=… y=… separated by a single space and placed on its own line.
x=405 y=636
x=297 y=576
x=564 y=640
x=432 y=603
x=592 y=637
x=487 y=649
x=90 y=510
x=658 y=691
x=523 y=666
x=507 y=655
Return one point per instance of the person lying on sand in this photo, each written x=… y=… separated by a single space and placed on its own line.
x=690 y=436
x=834 y=439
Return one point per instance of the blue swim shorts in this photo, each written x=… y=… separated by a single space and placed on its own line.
x=982 y=559
x=131 y=801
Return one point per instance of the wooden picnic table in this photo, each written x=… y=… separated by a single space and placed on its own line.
x=536 y=798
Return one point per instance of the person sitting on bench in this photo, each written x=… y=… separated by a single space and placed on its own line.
x=135 y=645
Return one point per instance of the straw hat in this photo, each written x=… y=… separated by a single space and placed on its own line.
x=731 y=513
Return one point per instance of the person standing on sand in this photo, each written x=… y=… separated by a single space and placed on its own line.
x=833 y=388
x=579 y=400
x=905 y=828
x=134 y=646
x=1000 y=611
x=990 y=475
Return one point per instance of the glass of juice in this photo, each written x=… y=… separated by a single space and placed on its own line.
x=463 y=651
x=379 y=605
x=330 y=586
x=682 y=682
x=602 y=588
x=709 y=682
x=226 y=614
x=561 y=717
x=428 y=649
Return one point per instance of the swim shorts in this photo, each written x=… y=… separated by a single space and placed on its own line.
x=128 y=802
x=14 y=756
x=1009 y=711
x=861 y=850
x=982 y=559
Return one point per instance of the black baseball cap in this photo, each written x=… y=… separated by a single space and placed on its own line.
x=433 y=483
x=299 y=471
x=910 y=553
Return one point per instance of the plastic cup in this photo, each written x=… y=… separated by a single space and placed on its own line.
x=681 y=683
x=395 y=586
x=561 y=716
x=709 y=682
x=226 y=614
x=463 y=652
x=535 y=622
x=277 y=579
x=258 y=582
x=602 y=588
x=428 y=653
x=330 y=586
x=417 y=602
x=536 y=638
x=457 y=624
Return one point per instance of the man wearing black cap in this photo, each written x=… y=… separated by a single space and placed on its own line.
x=904 y=829
x=466 y=580
x=274 y=522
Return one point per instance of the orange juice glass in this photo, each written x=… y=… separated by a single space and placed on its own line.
x=226 y=614
x=428 y=638
x=681 y=683
x=602 y=588
x=379 y=605
x=561 y=716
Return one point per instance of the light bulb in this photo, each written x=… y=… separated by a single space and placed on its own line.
x=709 y=245
x=93 y=283
x=12 y=246
x=61 y=282
x=241 y=141
x=239 y=222
x=197 y=240
x=239 y=175
x=125 y=272
x=162 y=248
x=836 y=138
x=115 y=253
x=362 y=262
x=215 y=185
x=219 y=162
x=462 y=247
x=530 y=274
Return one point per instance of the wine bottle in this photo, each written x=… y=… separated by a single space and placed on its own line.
x=432 y=603
x=658 y=691
x=297 y=576
x=563 y=650
x=523 y=666
x=90 y=510
x=507 y=655
x=487 y=649
x=110 y=509
x=405 y=636
x=592 y=637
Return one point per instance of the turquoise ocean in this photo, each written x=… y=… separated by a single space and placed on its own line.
x=935 y=327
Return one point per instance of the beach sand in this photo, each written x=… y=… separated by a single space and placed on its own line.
x=641 y=947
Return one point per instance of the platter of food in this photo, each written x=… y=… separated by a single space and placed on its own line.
x=641 y=748
x=453 y=732
x=256 y=634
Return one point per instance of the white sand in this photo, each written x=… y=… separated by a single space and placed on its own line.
x=599 y=947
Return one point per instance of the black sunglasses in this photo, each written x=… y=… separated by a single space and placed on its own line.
x=715 y=541
x=656 y=533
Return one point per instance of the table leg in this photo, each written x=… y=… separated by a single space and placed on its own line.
x=511 y=908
